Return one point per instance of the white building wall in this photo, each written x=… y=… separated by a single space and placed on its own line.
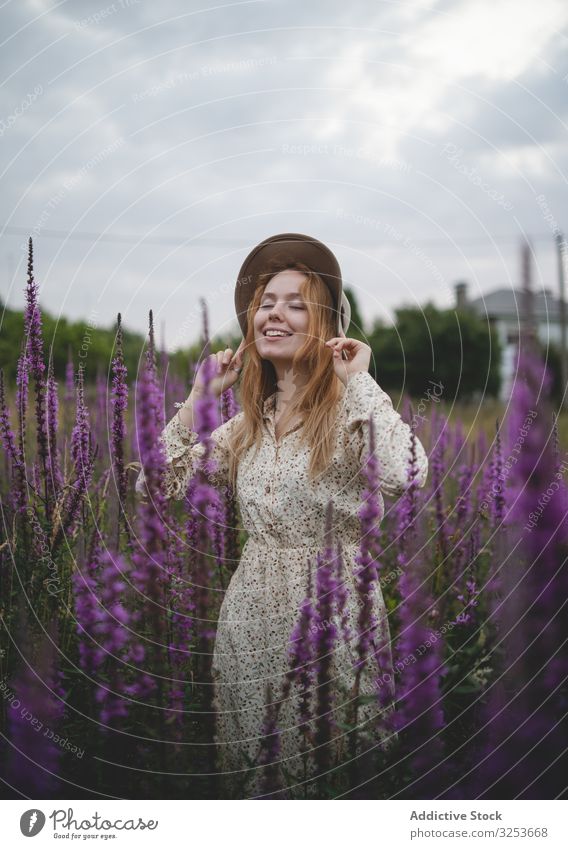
x=547 y=333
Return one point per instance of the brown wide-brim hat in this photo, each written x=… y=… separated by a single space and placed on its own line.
x=291 y=247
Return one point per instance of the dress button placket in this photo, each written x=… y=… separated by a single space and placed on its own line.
x=270 y=487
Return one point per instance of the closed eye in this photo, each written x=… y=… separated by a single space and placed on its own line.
x=268 y=306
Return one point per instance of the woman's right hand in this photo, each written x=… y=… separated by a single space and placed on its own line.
x=225 y=374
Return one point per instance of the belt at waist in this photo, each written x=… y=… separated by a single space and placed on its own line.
x=314 y=545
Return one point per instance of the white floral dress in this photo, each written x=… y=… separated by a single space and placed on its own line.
x=283 y=513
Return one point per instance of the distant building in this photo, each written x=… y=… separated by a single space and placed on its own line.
x=503 y=309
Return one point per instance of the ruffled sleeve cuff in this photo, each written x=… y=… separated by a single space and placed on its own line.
x=364 y=398
x=180 y=445
x=184 y=452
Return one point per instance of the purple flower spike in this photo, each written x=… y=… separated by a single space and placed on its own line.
x=53 y=425
x=83 y=463
x=325 y=633
x=17 y=492
x=151 y=551
x=368 y=556
x=108 y=644
x=301 y=655
x=34 y=342
x=524 y=714
x=119 y=410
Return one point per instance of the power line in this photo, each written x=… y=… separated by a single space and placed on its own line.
x=133 y=238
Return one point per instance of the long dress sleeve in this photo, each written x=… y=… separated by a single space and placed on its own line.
x=183 y=453
x=363 y=397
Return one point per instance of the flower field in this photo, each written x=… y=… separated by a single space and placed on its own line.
x=109 y=601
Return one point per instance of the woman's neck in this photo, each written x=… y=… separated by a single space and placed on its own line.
x=289 y=383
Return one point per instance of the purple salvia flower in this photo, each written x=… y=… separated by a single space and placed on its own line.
x=81 y=436
x=367 y=558
x=469 y=601
x=17 y=491
x=85 y=587
x=441 y=441
x=119 y=409
x=32 y=322
x=109 y=650
x=6 y=433
x=69 y=393
x=373 y=639
x=299 y=678
x=36 y=476
x=205 y=500
x=152 y=364
x=192 y=524
x=205 y=325
x=325 y=633
x=115 y=638
x=231 y=551
x=497 y=482
x=372 y=632
x=22 y=385
x=300 y=657
x=206 y=507
x=181 y=607
x=22 y=388
x=206 y=406
x=81 y=445
x=419 y=714
x=525 y=710
x=53 y=426
x=406 y=507
x=219 y=536
x=150 y=554
x=229 y=406
x=83 y=463
x=462 y=528
x=464 y=498
x=342 y=594
x=231 y=536
x=34 y=343
x=555 y=441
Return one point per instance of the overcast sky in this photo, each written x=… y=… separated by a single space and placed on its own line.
x=147 y=147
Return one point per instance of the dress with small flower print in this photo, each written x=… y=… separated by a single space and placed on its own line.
x=283 y=513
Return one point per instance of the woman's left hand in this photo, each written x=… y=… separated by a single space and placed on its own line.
x=358 y=356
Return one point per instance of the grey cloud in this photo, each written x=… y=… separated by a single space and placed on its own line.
x=187 y=128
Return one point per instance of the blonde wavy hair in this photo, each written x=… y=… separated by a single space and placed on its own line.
x=317 y=401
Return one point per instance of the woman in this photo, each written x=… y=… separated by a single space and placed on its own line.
x=299 y=442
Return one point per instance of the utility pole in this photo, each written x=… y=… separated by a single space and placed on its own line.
x=528 y=322
x=561 y=251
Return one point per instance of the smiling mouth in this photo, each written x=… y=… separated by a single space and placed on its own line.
x=276 y=335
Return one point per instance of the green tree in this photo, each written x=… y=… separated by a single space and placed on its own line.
x=453 y=347
x=356 y=327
